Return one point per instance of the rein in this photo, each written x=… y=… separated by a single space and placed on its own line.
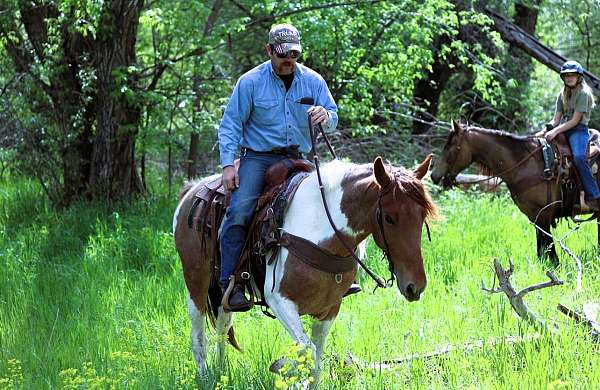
x=498 y=175
x=380 y=282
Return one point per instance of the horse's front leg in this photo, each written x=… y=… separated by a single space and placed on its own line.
x=287 y=313
x=545 y=243
x=320 y=330
x=223 y=324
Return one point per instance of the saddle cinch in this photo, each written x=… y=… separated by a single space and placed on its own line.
x=564 y=171
x=210 y=204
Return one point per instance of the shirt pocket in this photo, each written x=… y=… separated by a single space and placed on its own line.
x=266 y=112
x=300 y=115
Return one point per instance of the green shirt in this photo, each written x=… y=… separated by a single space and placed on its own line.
x=581 y=101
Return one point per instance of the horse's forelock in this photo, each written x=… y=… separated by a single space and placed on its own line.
x=411 y=186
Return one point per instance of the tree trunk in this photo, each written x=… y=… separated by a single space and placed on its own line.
x=519 y=66
x=94 y=126
x=529 y=44
x=113 y=174
x=427 y=91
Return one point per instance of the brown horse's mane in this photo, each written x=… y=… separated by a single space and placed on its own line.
x=406 y=184
x=501 y=133
x=515 y=143
x=412 y=187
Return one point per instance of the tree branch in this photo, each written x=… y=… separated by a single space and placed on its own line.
x=516 y=299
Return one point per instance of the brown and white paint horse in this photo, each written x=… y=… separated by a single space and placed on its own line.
x=294 y=289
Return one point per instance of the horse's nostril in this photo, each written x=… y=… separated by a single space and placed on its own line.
x=411 y=290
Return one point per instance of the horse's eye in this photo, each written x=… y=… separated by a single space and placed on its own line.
x=389 y=220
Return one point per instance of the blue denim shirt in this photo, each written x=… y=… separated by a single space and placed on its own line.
x=261 y=115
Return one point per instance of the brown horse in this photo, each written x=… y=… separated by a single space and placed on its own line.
x=356 y=196
x=518 y=161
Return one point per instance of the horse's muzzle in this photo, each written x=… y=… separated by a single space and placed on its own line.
x=411 y=292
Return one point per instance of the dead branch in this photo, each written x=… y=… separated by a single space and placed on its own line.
x=588 y=320
x=516 y=299
x=351 y=360
x=578 y=263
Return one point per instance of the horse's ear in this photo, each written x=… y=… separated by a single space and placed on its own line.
x=422 y=169
x=456 y=126
x=381 y=174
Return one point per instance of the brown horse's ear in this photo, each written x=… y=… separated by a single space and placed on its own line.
x=381 y=174
x=456 y=126
x=422 y=169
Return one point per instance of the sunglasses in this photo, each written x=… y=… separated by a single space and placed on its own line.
x=290 y=54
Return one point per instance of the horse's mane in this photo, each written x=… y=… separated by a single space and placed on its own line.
x=501 y=133
x=406 y=182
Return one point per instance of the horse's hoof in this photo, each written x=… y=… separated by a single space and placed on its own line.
x=277 y=365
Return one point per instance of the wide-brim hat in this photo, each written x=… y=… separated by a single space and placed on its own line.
x=284 y=37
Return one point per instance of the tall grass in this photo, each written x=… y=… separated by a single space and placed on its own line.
x=96 y=299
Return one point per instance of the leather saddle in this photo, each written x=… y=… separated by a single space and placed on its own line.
x=563 y=149
x=210 y=204
x=567 y=174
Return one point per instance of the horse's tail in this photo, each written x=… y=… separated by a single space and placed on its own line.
x=187 y=186
x=214 y=301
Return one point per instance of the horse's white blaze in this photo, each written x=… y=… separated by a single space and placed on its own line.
x=198 y=335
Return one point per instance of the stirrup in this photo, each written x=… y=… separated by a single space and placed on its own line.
x=226 y=295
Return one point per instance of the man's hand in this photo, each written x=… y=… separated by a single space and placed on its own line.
x=317 y=115
x=551 y=135
x=230 y=178
x=540 y=133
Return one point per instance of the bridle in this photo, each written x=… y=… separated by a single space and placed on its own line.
x=450 y=178
x=382 y=192
x=386 y=249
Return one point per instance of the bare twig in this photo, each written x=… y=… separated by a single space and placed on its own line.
x=592 y=325
x=578 y=263
x=439 y=352
x=516 y=299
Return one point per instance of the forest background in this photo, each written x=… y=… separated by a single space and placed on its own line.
x=98 y=95
x=107 y=106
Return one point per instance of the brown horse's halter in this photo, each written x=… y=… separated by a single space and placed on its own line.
x=498 y=175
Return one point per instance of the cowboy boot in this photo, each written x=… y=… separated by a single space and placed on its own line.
x=234 y=299
x=593 y=204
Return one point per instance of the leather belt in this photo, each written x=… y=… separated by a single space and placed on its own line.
x=291 y=152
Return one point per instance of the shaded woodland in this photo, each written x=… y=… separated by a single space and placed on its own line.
x=99 y=96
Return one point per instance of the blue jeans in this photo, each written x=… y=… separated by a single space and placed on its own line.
x=579 y=137
x=253 y=167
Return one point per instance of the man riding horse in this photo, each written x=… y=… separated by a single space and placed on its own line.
x=264 y=119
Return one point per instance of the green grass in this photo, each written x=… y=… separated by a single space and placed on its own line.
x=95 y=299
